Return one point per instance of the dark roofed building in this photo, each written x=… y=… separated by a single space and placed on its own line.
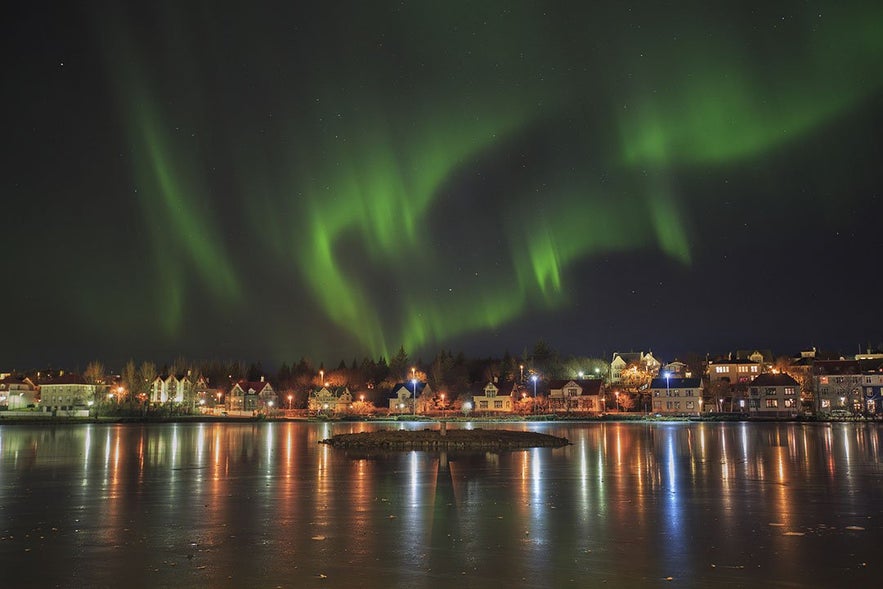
x=676 y=396
x=774 y=395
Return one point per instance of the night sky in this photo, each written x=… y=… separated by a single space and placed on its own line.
x=328 y=179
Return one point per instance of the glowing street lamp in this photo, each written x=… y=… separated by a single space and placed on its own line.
x=414 y=383
x=290 y=397
x=533 y=377
x=581 y=374
x=444 y=405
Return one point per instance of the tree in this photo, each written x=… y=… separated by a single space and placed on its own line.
x=398 y=365
x=146 y=376
x=95 y=375
x=129 y=379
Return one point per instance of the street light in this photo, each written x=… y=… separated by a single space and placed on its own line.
x=533 y=377
x=290 y=397
x=414 y=404
x=581 y=374
x=443 y=405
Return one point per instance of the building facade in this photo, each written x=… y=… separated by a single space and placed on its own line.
x=774 y=395
x=676 y=396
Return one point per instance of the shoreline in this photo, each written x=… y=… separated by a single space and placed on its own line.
x=41 y=419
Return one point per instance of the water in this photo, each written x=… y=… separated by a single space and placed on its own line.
x=264 y=505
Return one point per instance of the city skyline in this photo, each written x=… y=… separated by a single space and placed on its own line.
x=271 y=182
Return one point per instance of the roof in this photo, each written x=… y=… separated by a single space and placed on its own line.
x=64 y=379
x=771 y=379
x=410 y=387
x=16 y=380
x=744 y=354
x=590 y=386
x=257 y=386
x=676 y=383
x=504 y=389
x=629 y=357
x=832 y=367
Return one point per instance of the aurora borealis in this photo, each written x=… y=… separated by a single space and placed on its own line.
x=340 y=179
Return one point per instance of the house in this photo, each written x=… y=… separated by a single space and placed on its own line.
x=576 y=395
x=495 y=397
x=638 y=360
x=17 y=393
x=330 y=399
x=66 y=392
x=405 y=394
x=774 y=395
x=850 y=385
x=677 y=368
x=837 y=385
x=676 y=396
x=762 y=357
x=251 y=396
x=733 y=370
x=173 y=388
x=872 y=389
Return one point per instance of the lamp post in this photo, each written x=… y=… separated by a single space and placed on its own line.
x=616 y=394
x=414 y=403
x=444 y=405
x=290 y=397
x=521 y=368
x=533 y=377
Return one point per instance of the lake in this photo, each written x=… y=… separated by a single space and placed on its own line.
x=265 y=505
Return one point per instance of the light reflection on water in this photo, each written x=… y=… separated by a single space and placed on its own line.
x=231 y=505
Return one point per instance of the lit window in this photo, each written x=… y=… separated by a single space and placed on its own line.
x=772 y=403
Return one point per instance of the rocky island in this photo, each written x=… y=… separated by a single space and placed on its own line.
x=442 y=439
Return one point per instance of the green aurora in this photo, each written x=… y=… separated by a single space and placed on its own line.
x=350 y=148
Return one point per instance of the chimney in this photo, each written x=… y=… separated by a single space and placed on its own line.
x=262 y=379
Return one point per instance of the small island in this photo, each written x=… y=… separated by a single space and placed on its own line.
x=442 y=439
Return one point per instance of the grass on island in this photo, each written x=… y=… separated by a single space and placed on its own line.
x=459 y=439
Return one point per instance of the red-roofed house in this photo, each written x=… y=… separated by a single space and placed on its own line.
x=251 y=396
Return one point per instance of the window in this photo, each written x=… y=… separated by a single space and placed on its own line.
x=571 y=391
x=482 y=404
x=743 y=369
x=498 y=404
x=668 y=405
x=826 y=403
x=657 y=405
x=790 y=403
x=772 y=403
x=677 y=404
x=789 y=391
x=689 y=404
x=754 y=369
x=823 y=380
x=770 y=391
x=721 y=369
x=689 y=393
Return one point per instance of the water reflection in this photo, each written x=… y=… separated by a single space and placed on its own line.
x=233 y=505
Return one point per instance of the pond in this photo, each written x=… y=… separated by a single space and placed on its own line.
x=266 y=505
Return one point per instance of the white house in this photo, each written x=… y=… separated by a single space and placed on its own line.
x=576 y=395
x=676 y=396
x=494 y=397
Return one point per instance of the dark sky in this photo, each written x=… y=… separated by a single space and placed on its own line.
x=232 y=179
